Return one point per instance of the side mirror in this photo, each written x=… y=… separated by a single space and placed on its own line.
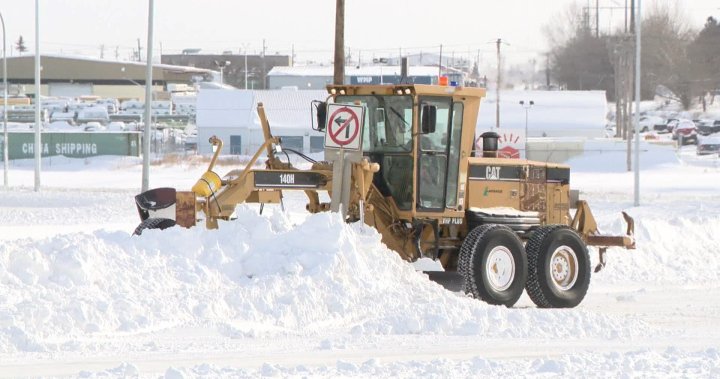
x=320 y=114
x=429 y=119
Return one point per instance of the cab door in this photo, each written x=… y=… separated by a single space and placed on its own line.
x=438 y=156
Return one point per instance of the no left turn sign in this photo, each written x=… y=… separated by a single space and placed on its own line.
x=344 y=126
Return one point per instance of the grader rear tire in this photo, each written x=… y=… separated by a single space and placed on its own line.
x=558 y=267
x=493 y=262
x=154 y=223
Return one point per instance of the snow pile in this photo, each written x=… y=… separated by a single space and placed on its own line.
x=676 y=243
x=257 y=276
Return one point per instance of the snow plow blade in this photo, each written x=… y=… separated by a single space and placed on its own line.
x=154 y=201
x=161 y=208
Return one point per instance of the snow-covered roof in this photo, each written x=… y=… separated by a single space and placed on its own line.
x=351 y=71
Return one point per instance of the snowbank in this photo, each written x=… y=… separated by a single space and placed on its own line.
x=255 y=277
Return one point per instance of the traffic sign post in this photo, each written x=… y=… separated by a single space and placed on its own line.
x=344 y=126
x=343 y=146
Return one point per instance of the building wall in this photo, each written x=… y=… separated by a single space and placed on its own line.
x=301 y=82
x=132 y=91
x=233 y=73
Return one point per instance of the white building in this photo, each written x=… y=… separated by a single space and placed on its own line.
x=232 y=116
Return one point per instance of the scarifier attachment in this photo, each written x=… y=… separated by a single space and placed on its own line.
x=585 y=224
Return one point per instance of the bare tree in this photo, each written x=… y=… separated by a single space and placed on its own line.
x=665 y=61
x=704 y=56
x=578 y=58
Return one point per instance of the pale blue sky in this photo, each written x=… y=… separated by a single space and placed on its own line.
x=374 y=27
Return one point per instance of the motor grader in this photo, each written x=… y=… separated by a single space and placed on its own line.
x=403 y=159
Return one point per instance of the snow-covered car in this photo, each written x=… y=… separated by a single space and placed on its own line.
x=648 y=123
x=68 y=116
x=670 y=125
x=97 y=114
x=685 y=131
x=708 y=145
x=709 y=127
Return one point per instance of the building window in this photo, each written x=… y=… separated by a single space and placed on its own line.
x=317 y=144
x=292 y=142
x=235 y=145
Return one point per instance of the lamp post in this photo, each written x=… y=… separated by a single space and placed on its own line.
x=527 y=107
x=148 y=100
x=5 y=106
x=221 y=65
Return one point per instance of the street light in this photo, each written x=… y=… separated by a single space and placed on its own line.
x=527 y=107
x=5 y=107
x=221 y=65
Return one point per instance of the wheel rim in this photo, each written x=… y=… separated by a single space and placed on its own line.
x=500 y=268
x=564 y=268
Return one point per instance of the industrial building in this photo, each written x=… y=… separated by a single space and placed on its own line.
x=317 y=77
x=234 y=68
x=79 y=76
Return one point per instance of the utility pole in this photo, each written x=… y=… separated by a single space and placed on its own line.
x=638 y=46
x=38 y=123
x=547 y=70
x=264 y=66
x=597 y=18
x=440 y=65
x=102 y=51
x=339 y=60
x=139 y=50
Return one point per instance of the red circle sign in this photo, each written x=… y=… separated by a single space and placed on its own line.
x=337 y=125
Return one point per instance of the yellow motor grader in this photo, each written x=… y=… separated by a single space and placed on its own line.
x=402 y=159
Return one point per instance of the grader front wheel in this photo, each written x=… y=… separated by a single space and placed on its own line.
x=494 y=265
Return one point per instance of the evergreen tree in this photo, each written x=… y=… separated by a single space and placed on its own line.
x=20 y=45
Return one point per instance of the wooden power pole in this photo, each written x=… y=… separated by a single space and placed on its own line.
x=339 y=64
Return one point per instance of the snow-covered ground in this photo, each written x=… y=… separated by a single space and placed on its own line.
x=285 y=294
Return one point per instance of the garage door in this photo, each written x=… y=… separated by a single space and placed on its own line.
x=70 y=89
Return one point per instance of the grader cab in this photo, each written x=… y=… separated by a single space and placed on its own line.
x=402 y=159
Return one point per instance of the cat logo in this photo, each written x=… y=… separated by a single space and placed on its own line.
x=492 y=172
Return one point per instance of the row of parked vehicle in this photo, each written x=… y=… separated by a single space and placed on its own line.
x=703 y=133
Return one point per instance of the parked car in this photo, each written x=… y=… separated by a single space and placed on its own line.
x=709 y=127
x=686 y=131
x=671 y=124
x=708 y=145
x=648 y=123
